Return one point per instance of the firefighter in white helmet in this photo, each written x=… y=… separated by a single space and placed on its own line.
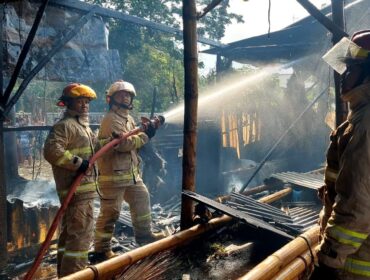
x=344 y=251
x=68 y=147
x=119 y=178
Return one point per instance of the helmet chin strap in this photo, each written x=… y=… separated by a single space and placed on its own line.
x=121 y=105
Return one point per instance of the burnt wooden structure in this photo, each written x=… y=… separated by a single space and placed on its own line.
x=8 y=98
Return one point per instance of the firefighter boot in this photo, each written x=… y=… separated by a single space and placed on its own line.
x=97 y=257
x=146 y=239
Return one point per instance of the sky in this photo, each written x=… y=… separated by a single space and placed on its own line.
x=255 y=15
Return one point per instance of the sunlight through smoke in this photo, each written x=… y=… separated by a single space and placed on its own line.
x=231 y=87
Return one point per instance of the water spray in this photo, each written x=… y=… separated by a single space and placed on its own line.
x=232 y=89
x=272 y=149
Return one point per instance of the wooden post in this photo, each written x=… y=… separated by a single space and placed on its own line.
x=341 y=109
x=191 y=107
x=3 y=210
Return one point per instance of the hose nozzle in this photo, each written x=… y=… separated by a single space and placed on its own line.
x=156 y=121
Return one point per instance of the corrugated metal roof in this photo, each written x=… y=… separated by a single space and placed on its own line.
x=307 y=180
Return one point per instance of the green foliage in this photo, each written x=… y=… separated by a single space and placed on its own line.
x=39 y=97
x=154 y=59
x=153 y=68
x=213 y=24
x=149 y=58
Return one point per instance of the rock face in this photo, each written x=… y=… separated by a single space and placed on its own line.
x=85 y=58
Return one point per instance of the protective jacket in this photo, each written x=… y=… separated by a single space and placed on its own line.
x=69 y=142
x=338 y=142
x=346 y=243
x=120 y=180
x=120 y=166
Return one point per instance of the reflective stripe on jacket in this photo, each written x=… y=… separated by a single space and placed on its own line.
x=120 y=166
x=346 y=242
x=69 y=142
x=338 y=141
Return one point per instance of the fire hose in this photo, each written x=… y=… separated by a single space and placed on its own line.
x=145 y=123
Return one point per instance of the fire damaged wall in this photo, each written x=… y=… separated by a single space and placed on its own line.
x=168 y=144
x=27 y=227
x=85 y=58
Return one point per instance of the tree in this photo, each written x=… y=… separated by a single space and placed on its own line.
x=154 y=59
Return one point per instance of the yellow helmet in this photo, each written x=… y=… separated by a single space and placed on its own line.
x=76 y=90
x=121 y=85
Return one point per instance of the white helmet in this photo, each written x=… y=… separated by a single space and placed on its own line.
x=121 y=85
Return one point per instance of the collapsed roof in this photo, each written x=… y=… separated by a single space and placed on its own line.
x=305 y=37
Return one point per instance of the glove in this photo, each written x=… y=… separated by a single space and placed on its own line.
x=116 y=135
x=323 y=271
x=150 y=131
x=84 y=166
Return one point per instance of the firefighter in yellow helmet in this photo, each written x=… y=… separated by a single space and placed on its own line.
x=68 y=147
x=344 y=251
x=119 y=178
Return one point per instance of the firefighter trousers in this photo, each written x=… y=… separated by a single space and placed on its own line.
x=137 y=196
x=75 y=237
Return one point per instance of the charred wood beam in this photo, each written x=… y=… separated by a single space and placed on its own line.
x=108 y=13
x=24 y=52
x=207 y=9
x=191 y=108
x=66 y=36
x=331 y=26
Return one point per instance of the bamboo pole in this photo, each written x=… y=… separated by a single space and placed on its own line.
x=250 y=191
x=191 y=108
x=298 y=266
x=275 y=196
x=112 y=267
x=278 y=260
